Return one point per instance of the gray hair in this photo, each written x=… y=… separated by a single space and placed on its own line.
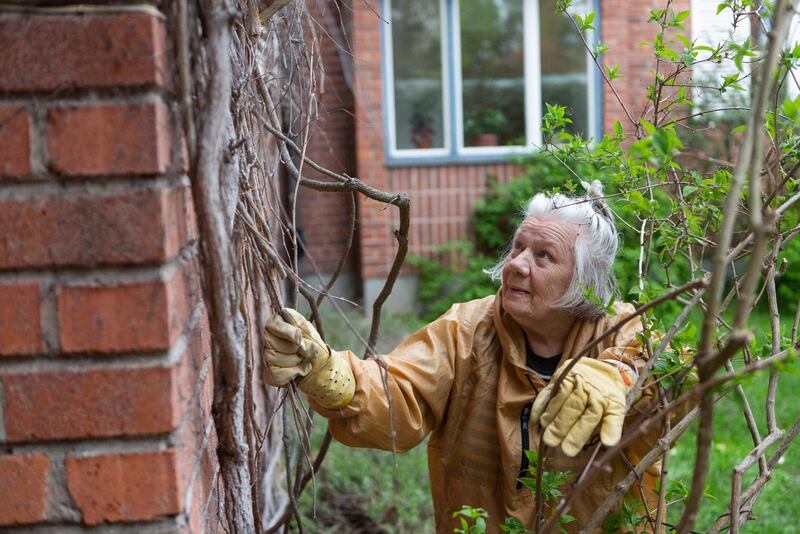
x=594 y=250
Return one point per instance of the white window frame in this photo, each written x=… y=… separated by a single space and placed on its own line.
x=389 y=107
x=531 y=73
x=453 y=120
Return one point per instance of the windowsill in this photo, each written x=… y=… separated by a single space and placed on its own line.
x=470 y=158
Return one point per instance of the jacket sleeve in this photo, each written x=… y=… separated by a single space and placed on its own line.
x=627 y=347
x=419 y=379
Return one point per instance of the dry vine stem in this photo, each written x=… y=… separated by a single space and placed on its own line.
x=248 y=82
x=222 y=295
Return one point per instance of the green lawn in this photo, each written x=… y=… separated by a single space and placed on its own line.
x=354 y=483
x=778 y=508
x=358 y=485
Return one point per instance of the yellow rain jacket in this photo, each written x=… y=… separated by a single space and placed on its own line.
x=463 y=380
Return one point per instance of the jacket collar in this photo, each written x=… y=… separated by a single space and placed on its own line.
x=512 y=338
x=513 y=341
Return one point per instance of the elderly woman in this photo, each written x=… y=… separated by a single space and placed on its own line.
x=474 y=379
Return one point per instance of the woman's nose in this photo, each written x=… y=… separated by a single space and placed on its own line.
x=519 y=265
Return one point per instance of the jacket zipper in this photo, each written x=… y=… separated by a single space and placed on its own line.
x=523 y=425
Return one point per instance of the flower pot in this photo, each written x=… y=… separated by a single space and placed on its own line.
x=485 y=139
x=422 y=137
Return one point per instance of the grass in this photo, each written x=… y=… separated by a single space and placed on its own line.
x=396 y=498
x=362 y=487
x=778 y=508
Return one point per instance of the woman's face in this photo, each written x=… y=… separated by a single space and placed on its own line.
x=539 y=269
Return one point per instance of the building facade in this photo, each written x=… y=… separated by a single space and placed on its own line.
x=434 y=99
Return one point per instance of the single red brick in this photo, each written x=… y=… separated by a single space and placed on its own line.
x=124 y=487
x=90 y=404
x=15 y=152
x=131 y=317
x=20 y=327
x=24 y=490
x=61 y=51
x=122 y=228
x=109 y=139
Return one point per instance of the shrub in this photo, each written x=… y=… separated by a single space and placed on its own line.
x=443 y=282
x=788 y=285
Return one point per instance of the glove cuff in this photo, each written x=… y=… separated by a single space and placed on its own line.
x=628 y=374
x=331 y=385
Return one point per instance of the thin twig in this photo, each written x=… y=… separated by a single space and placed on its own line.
x=749 y=161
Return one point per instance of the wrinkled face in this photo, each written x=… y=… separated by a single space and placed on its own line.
x=539 y=269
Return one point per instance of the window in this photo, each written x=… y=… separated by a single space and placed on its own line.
x=469 y=78
x=710 y=28
x=418 y=80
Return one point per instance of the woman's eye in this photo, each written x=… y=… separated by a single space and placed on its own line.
x=544 y=255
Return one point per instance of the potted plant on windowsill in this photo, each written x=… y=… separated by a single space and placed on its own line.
x=421 y=123
x=485 y=127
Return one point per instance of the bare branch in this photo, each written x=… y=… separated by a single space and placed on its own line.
x=750 y=158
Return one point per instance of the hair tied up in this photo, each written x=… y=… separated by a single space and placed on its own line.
x=594 y=193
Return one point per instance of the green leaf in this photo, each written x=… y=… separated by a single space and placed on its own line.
x=648 y=126
x=563 y=5
x=587 y=23
x=512 y=525
x=682 y=15
x=791 y=107
x=617 y=128
x=666 y=53
x=529 y=483
x=656 y=14
x=598 y=49
x=739 y=129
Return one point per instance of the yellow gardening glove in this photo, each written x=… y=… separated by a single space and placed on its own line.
x=293 y=349
x=591 y=395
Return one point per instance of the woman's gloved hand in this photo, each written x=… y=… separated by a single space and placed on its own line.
x=293 y=349
x=591 y=395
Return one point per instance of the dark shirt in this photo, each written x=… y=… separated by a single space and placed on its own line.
x=544 y=367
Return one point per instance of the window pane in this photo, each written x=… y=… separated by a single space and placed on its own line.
x=492 y=72
x=416 y=45
x=564 y=68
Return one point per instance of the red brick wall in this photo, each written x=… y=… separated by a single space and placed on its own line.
x=624 y=28
x=324 y=216
x=105 y=372
x=443 y=199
